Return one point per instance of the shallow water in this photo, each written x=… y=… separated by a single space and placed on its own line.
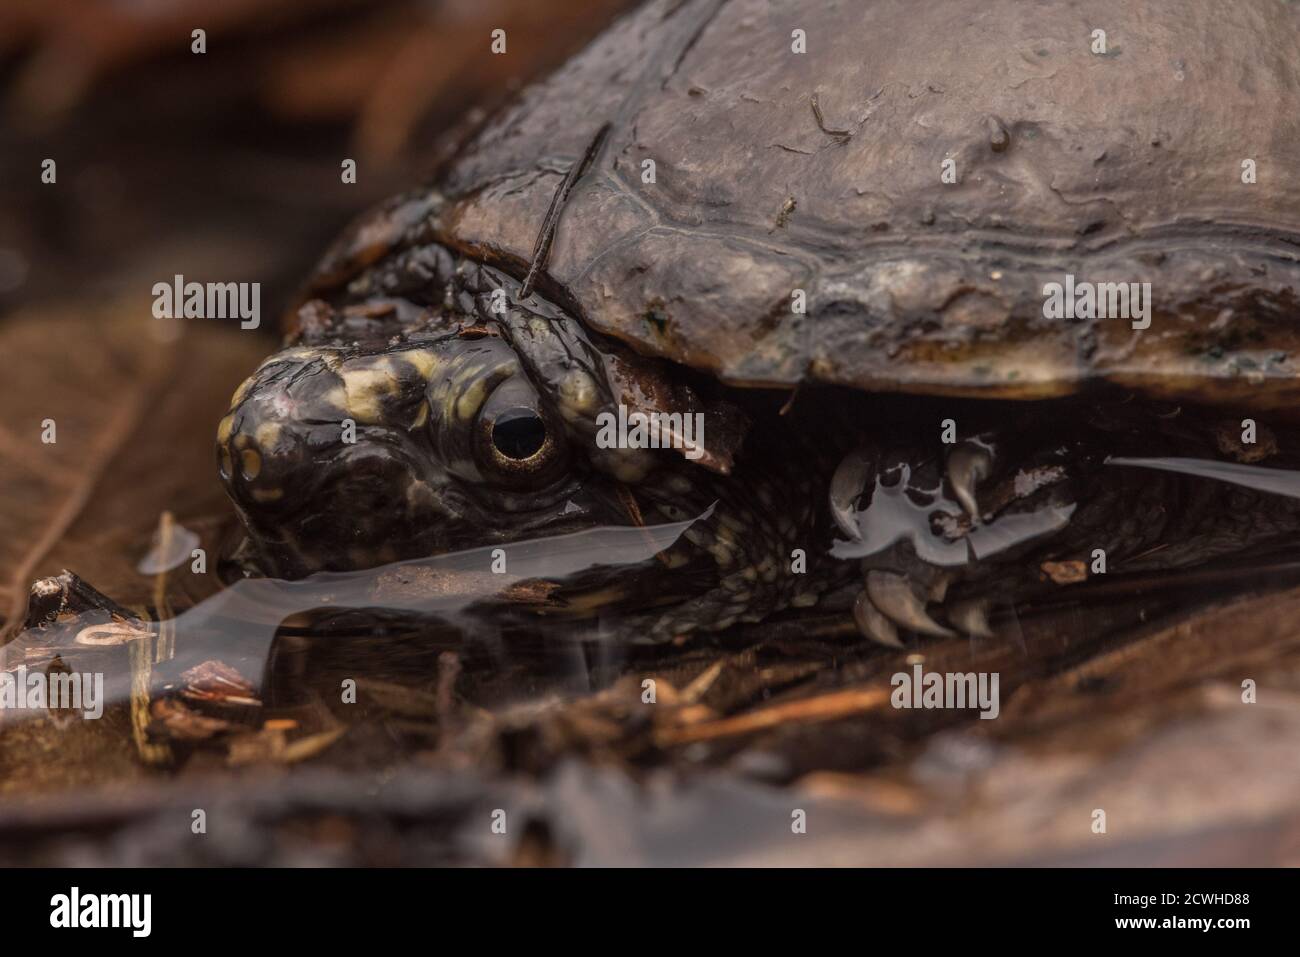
x=393 y=622
x=1273 y=481
x=456 y=590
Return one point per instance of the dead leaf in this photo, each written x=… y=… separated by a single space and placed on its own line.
x=133 y=423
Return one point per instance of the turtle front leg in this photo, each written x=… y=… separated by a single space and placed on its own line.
x=920 y=523
x=944 y=535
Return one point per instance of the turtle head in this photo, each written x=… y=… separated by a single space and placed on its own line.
x=347 y=453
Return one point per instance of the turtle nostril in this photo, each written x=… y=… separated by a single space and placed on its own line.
x=518 y=433
x=250 y=464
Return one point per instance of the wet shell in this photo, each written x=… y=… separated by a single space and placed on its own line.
x=915 y=179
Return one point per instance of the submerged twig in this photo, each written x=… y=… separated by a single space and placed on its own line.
x=141 y=656
x=166 y=648
x=827 y=707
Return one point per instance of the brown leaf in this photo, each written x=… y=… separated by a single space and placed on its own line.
x=134 y=420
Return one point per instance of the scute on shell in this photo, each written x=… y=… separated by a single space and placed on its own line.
x=778 y=171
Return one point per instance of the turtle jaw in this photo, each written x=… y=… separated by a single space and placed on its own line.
x=323 y=454
x=309 y=507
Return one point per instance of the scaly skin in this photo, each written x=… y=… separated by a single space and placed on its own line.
x=421 y=381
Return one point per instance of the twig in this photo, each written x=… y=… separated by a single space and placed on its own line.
x=166 y=648
x=827 y=707
x=141 y=655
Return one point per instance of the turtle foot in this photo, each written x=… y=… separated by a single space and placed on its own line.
x=891 y=601
x=921 y=522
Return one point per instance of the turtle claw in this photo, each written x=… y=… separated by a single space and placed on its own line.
x=969 y=463
x=890 y=601
x=971 y=618
x=874 y=625
x=847 y=483
x=892 y=594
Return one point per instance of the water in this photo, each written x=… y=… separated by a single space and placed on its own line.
x=432 y=624
x=1272 y=481
x=240 y=623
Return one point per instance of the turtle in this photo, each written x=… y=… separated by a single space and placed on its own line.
x=923 y=277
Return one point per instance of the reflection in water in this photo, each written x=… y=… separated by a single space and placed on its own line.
x=455 y=602
x=241 y=621
x=903 y=512
x=1272 y=481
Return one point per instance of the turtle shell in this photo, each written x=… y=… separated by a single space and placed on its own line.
x=878 y=194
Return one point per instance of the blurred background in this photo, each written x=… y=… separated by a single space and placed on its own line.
x=230 y=159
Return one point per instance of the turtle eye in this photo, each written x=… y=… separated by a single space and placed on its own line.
x=516 y=441
x=519 y=433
